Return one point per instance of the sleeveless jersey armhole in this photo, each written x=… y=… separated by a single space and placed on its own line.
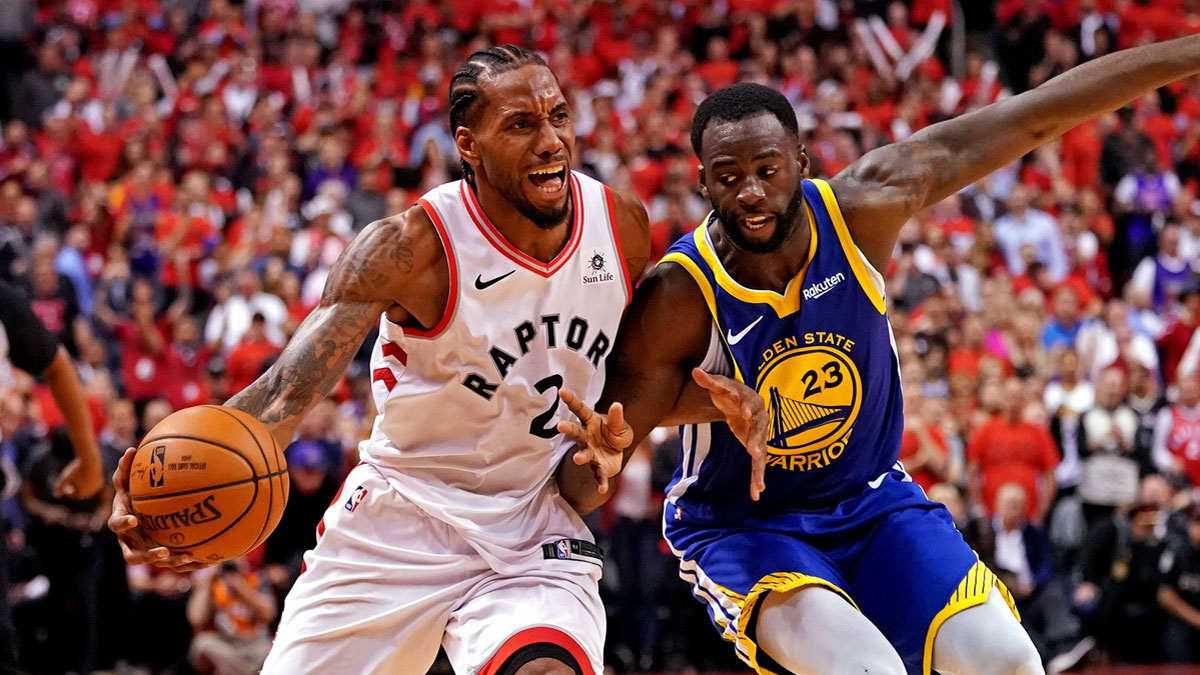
x=867 y=276
x=452 y=269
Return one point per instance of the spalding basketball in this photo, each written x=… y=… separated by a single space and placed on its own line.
x=209 y=481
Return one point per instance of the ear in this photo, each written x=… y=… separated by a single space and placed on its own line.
x=467 y=146
x=802 y=158
x=703 y=176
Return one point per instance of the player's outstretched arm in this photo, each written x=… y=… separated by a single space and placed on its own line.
x=397 y=265
x=880 y=191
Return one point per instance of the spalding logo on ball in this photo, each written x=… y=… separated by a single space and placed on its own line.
x=209 y=481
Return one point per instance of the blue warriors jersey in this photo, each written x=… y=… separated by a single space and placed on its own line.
x=822 y=357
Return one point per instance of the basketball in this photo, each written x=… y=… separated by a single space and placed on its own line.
x=209 y=481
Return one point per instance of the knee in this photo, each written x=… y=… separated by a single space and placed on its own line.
x=883 y=664
x=544 y=666
x=1009 y=657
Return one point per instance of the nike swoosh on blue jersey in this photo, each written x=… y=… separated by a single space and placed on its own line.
x=734 y=339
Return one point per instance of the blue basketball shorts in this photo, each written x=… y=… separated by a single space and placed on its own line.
x=889 y=551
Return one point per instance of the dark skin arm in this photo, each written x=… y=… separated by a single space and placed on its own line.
x=884 y=188
x=395 y=265
x=663 y=338
x=83 y=477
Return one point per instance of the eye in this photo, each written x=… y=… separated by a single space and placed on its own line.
x=561 y=116
x=519 y=124
x=768 y=171
x=726 y=179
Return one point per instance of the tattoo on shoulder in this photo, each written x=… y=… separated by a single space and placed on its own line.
x=374 y=262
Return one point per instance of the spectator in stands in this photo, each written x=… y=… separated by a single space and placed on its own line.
x=1179 y=594
x=65 y=534
x=1008 y=449
x=1110 y=469
x=230 y=610
x=1166 y=274
x=1144 y=196
x=1024 y=225
x=314 y=484
x=231 y=318
x=1117 y=598
x=1020 y=555
x=1178 y=335
x=246 y=360
x=1062 y=328
x=1177 y=432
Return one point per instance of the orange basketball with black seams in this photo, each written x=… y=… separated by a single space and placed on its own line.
x=209 y=481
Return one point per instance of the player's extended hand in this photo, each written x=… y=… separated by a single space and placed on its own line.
x=80 y=480
x=746 y=415
x=137 y=548
x=602 y=438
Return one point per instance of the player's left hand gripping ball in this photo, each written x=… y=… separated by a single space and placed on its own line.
x=602 y=438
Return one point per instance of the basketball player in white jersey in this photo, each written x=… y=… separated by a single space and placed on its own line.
x=491 y=295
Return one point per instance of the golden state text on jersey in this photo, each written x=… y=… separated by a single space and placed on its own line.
x=822 y=357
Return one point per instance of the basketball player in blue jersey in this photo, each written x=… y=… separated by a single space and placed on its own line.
x=841 y=564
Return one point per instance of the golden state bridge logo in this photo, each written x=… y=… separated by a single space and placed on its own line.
x=813 y=394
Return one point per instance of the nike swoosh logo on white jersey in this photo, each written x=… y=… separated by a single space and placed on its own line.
x=734 y=339
x=481 y=284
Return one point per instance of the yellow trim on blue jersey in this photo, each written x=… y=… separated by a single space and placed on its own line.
x=851 y=251
x=788 y=303
x=972 y=592
x=705 y=288
x=779 y=582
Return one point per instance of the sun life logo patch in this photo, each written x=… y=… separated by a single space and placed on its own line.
x=595 y=268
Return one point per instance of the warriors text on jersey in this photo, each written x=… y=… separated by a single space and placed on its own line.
x=821 y=355
x=468 y=410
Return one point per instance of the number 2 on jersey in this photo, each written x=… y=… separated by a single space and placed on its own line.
x=539 y=426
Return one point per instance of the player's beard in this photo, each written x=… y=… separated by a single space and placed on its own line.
x=785 y=224
x=544 y=218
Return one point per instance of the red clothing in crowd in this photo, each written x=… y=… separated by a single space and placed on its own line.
x=142 y=367
x=909 y=444
x=187 y=384
x=1008 y=452
x=1183 y=441
x=245 y=362
x=1173 y=343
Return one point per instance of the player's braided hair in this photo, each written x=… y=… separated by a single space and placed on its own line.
x=464 y=86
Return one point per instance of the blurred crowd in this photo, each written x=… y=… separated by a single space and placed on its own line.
x=178 y=176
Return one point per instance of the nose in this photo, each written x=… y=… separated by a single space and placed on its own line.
x=752 y=193
x=547 y=143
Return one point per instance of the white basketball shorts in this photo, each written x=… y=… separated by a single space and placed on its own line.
x=387 y=584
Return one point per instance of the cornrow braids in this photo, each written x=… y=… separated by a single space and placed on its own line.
x=465 y=88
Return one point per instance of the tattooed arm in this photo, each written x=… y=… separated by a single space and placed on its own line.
x=391 y=262
x=884 y=188
x=396 y=265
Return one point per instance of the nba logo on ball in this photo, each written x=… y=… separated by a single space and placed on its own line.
x=158 y=463
x=352 y=503
x=564 y=549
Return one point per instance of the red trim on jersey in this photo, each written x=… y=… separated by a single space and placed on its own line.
x=531 y=636
x=390 y=348
x=385 y=376
x=612 y=221
x=497 y=240
x=452 y=297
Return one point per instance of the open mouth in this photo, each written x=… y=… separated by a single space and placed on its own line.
x=550 y=179
x=756 y=222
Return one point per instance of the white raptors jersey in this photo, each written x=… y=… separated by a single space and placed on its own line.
x=468 y=410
